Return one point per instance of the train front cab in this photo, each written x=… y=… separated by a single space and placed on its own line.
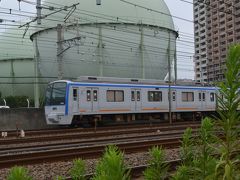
x=55 y=104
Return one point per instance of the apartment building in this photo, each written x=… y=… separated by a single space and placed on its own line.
x=216 y=27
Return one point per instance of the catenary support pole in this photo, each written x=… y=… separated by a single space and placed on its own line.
x=100 y=50
x=175 y=64
x=38 y=7
x=59 y=50
x=142 y=52
x=169 y=79
x=36 y=72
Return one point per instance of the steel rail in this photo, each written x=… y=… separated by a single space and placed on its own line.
x=83 y=152
x=87 y=142
x=63 y=130
x=92 y=134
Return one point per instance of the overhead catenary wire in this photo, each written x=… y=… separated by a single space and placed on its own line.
x=86 y=11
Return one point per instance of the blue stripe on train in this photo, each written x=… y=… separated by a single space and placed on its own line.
x=130 y=86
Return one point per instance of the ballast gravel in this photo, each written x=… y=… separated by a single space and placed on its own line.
x=48 y=171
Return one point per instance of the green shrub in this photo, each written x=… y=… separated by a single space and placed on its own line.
x=229 y=118
x=59 y=178
x=157 y=169
x=18 y=101
x=187 y=147
x=78 y=170
x=182 y=173
x=196 y=154
x=111 y=166
x=18 y=173
x=204 y=163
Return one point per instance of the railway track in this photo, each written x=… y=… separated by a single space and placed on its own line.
x=86 y=145
x=89 y=142
x=93 y=151
x=77 y=134
x=65 y=130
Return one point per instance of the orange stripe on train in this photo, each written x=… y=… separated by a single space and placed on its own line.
x=186 y=108
x=150 y=109
x=108 y=110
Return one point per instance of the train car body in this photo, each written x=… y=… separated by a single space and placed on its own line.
x=69 y=102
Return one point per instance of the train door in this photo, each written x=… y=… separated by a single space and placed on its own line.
x=92 y=99
x=136 y=104
x=75 y=100
x=174 y=100
x=202 y=99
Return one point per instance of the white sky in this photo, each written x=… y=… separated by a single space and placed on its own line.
x=177 y=8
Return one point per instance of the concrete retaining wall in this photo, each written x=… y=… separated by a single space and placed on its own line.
x=22 y=118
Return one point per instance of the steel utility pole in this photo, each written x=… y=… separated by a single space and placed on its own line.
x=38 y=7
x=36 y=63
x=100 y=50
x=142 y=52
x=59 y=50
x=175 y=64
x=169 y=80
x=36 y=71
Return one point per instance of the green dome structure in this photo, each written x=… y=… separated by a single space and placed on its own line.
x=117 y=38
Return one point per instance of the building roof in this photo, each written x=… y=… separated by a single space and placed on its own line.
x=150 y=12
x=14 y=46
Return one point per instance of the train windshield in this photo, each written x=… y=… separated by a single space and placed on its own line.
x=55 y=94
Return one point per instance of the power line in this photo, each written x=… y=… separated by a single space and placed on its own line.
x=149 y=9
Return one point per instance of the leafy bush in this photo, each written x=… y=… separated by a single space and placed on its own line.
x=196 y=154
x=157 y=168
x=187 y=147
x=18 y=173
x=59 y=178
x=78 y=170
x=18 y=101
x=111 y=166
x=229 y=118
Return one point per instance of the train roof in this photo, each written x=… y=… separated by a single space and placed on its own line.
x=114 y=80
x=134 y=84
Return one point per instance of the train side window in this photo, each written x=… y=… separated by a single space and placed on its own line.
x=174 y=96
x=212 y=97
x=132 y=95
x=119 y=96
x=203 y=96
x=110 y=96
x=115 y=96
x=154 y=96
x=138 y=96
x=95 y=95
x=75 y=94
x=187 y=96
x=88 y=95
x=200 y=96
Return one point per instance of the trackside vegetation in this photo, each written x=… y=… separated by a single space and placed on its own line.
x=219 y=137
x=157 y=169
x=228 y=165
x=211 y=153
x=19 y=173
x=112 y=166
x=78 y=172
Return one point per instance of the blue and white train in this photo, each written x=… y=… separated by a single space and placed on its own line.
x=120 y=99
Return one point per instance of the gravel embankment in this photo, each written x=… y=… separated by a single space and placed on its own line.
x=48 y=171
